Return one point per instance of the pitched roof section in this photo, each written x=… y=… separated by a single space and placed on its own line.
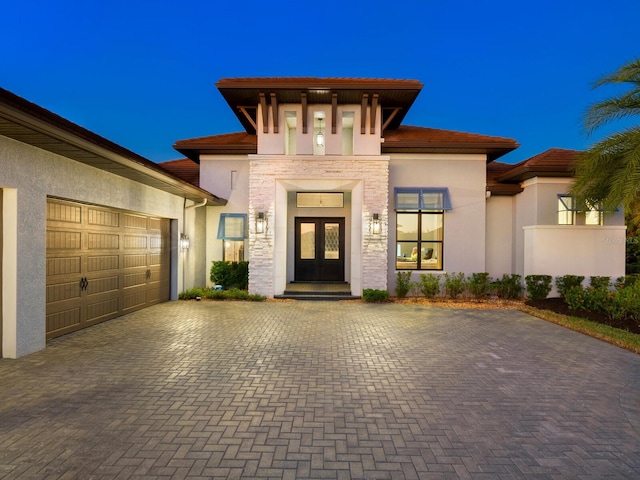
x=240 y=143
x=186 y=169
x=31 y=124
x=494 y=170
x=555 y=162
x=408 y=139
x=243 y=94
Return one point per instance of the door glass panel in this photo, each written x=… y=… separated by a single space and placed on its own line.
x=332 y=241
x=307 y=241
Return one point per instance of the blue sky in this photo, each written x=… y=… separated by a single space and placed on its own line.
x=142 y=73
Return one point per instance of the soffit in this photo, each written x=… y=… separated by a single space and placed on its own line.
x=28 y=123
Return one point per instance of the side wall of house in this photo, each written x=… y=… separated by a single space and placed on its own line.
x=500 y=257
x=464 y=225
x=228 y=177
x=29 y=175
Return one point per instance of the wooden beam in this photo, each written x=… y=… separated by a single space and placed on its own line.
x=391 y=117
x=374 y=109
x=274 y=111
x=249 y=117
x=363 y=114
x=334 y=111
x=265 y=113
x=303 y=101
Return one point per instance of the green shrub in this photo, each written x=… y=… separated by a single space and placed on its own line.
x=454 y=284
x=403 y=285
x=598 y=300
x=478 y=284
x=628 y=299
x=193 y=293
x=576 y=298
x=566 y=282
x=230 y=274
x=599 y=282
x=538 y=286
x=626 y=281
x=429 y=285
x=509 y=286
x=375 y=296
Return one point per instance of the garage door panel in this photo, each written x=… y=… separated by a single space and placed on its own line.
x=102 y=310
x=97 y=286
x=63 y=291
x=62 y=322
x=58 y=211
x=103 y=241
x=135 y=300
x=121 y=258
x=105 y=218
x=101 y=263
x=63 y=265
x=135 y=242
x=63 y=240
x=135 y=221
x=135 y=260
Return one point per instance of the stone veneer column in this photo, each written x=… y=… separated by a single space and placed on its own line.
x=371 y=173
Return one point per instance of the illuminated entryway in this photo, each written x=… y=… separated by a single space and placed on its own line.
x=319 y=248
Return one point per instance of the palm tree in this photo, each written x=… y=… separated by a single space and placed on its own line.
x=608 y=173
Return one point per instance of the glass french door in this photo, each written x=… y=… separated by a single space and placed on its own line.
x=319 y=248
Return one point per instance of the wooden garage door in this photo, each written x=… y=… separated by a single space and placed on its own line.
x=102 y=263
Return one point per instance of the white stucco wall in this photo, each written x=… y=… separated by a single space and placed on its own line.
x=558 y=250
x=464 y=225
x=29 y=175
x=499 y=236
x=228 y=177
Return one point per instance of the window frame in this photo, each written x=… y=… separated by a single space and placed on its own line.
x=423 y=206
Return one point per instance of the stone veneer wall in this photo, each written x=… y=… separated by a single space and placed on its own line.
x=371 y=172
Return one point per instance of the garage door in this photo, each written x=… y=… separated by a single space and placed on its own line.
x=102 y=263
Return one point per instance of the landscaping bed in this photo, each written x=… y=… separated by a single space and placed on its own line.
x=558 y=305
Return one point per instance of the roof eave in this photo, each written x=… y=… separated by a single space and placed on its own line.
x=492 y=150
x=29 y=123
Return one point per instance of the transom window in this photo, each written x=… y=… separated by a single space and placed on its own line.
x=420 y=227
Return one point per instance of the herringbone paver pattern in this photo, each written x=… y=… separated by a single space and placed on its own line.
x=321 y=390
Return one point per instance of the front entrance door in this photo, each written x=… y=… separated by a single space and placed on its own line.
x=319 y=250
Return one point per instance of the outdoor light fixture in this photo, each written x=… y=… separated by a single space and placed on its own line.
x=320 y=136
x=184 y=241
x=260 y=223
x=376 y=227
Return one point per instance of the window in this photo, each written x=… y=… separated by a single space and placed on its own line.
x=593 y=216
x=347 y=133
x=566 y=211
x=420 y=227
x=231 y=230
x=290 y=133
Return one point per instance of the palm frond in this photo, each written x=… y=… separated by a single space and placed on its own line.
x=612 y=109
x=629 y=72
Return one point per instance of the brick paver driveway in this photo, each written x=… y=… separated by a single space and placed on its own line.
x=321 y=390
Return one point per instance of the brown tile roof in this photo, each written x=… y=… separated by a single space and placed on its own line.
x=186 y=169
x=555 y=162
x=494 y=170
x=229 y=143
x=409 y=139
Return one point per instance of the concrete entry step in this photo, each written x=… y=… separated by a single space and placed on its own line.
x=331 y=291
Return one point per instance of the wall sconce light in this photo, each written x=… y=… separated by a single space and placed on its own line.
x=260 y=223
x=320 y=136
x=184 y=241
x=376 y=226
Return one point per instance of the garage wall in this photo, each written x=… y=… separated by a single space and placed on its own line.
x=36 y=174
